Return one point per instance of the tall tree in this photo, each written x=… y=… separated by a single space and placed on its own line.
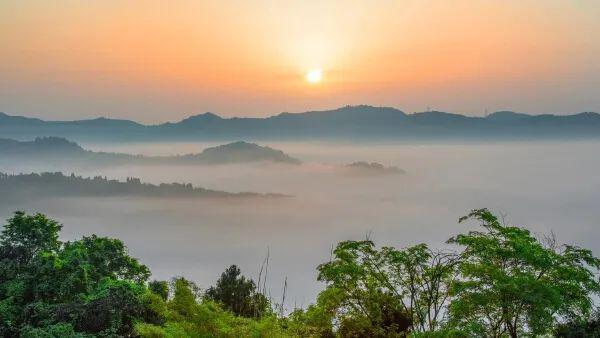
x=392 y=289
x=24 y=239
x=238 y=294
x=512 y=283
x=160 y=288
x=25 y=236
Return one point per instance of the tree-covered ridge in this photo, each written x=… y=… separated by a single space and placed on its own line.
x=53 y=150
x=40 y=146
x=30 y=186
x=498 y=281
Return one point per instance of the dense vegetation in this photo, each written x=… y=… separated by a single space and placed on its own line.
x=30 y=186
x=499 y=281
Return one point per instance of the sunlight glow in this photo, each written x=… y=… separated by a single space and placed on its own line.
x=314 y=76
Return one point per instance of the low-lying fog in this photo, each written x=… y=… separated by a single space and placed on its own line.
x=545 y=186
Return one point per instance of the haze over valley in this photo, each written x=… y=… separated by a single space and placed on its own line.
x=527 y=181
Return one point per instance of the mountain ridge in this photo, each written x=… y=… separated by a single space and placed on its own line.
x=349 y=122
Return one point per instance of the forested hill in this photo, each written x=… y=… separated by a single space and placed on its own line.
x=52 y=150
x=24 y=187
x=350 y=122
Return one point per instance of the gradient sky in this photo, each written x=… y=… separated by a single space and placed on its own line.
x=163 y=60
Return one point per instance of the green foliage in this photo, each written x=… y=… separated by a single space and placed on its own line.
x=389 y=290
x=315 y=321
x=359 y=293
x=160 y=288
x=48 y=288
x=580 y=327
x=189 y=316
x=105 y=257
x=112 y=309
x=512 y=283
x=185 y=293
x=61 y=330
x=81 y=265
x=503 y=282
x=24 y=236
x=238 y=294
x=23 y=241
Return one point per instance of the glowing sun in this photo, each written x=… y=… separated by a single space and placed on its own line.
x=314 y=76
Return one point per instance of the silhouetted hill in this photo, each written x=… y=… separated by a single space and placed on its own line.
x=8 y=120
x=200 y=119
x=32 y=186
x=240 y=151
x=39 y=146
x=348 y=113
x=507 y=116
x=103 y=122
x=437 y=117
x=363 y=168
x=52 y=150
x=346 y=123
x=194 y=122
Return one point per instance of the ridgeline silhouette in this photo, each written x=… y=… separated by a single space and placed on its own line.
x=346 y=123
x=51 y=150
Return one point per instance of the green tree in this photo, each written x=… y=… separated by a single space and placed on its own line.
x=23 y=240
x=387 y=290
x=315 y=321
x=190 y=316
x=580 y=327
x=91 y=285
x=421 y=277
x=25 y=236
x=111 y=309
x=61 y=330
x=160 y=288
x=81 y=265
x=238 y=294
x=511 y=283
x=185 y=295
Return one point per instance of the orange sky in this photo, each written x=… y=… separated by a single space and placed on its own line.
x=163 y=60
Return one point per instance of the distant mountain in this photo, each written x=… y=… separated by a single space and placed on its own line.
x=40 y=146
x=240 y=151
x=346 y=123
x=507 y=116
x=363 y=168
x=52 y=150
x=19 y=121
x=6 y=119
x=24 y=187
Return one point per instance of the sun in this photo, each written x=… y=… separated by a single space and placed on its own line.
x=314 y=76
